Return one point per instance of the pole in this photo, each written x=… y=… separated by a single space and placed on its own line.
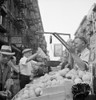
x=53 y=33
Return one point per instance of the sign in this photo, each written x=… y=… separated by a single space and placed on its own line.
x=58 y=50
x=16 y=40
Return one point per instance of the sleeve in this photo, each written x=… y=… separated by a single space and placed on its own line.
x=9 y=72
x=23 y=61
x=86 y=60
x=85 y=57
x=86 y=65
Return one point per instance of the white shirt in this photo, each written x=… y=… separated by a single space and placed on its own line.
x=25 y=68
x=85 y=55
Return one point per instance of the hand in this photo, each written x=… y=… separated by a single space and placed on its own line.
x=3 y=93
x=42 y=63
x=67 y=65
x=72 y=49
x=31 y=77
x=9 y=94
x=9 y=63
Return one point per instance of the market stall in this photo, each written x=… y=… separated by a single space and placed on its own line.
x=65 y=84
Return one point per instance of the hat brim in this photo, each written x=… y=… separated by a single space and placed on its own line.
x=8 y=53
x=25 y=51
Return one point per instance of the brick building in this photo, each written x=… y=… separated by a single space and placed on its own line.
x=19 y=21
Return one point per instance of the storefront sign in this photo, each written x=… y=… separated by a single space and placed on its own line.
x=58 y=50
x=16 y=40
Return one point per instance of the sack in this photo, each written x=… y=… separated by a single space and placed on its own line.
x=41 y=53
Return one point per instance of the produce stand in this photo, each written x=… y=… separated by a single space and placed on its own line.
x=63 y=90
x=54 y=96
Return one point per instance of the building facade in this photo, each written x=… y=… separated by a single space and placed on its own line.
x=19 y=22
x=87 y=28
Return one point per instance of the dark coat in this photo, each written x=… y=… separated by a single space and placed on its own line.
x=4 y=75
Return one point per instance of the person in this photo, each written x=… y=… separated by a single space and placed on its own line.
x=80 y=53
x=27 y=66
x=15 y=75
x=5 y=71
x=43 y=69
x=67 y=60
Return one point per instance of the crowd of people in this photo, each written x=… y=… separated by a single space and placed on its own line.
x=14 y=77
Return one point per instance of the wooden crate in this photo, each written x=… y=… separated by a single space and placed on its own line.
x=55 y=96
x=55 y=89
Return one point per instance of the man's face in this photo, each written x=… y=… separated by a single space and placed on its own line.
x=5 y=58
x=78 y=44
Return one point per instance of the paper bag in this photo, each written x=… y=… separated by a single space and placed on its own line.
x=41 y=53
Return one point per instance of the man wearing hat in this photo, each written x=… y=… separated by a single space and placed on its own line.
x=5 y=70
x=81 y=60
x=27 y=66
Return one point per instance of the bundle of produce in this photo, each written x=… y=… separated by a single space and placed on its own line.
x=64 y=71
x=87 y=78
x=60 y=78
x=41 y=53
x=30 y=91
x=72 y=74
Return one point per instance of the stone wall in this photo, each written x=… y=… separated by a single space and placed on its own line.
x=19 y=23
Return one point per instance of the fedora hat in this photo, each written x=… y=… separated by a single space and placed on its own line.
x=26 y=50
x=5 y=49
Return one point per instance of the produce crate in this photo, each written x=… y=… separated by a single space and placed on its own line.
x=66 y=88
x=55 y=89
x=55 y=96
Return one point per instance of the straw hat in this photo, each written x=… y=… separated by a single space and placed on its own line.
x=26 y=50
x=5 y=49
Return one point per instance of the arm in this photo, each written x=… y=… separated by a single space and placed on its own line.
x=78 y=61
x=37 y=63
x=31 y=57
x=9 y=81
x=70 y=61
x=13 y=66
